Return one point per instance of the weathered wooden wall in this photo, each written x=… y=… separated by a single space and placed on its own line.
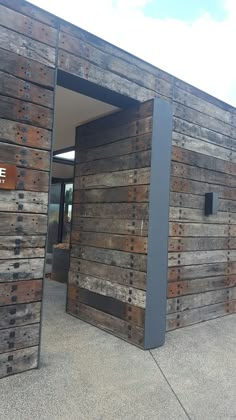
x=202 y=249
x=27 y=67
x=107 y=279
x=202 y=259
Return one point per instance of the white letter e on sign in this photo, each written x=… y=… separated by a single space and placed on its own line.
x=3 y=172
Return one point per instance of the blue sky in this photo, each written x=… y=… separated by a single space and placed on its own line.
x=185 y=9
x=191 y=39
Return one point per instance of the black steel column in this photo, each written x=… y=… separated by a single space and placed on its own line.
x=158 y=230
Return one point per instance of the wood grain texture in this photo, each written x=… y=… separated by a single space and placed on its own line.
x=19 y=338
x=18 y=361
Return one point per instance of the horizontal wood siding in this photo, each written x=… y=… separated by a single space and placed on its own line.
x=27 y=68
x=107 y=279
x=202 y=249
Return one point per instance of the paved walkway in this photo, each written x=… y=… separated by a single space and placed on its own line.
x=87 y=374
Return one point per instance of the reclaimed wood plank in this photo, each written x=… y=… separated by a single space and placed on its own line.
x=25 y=242
x=119 y=179
x=25 y=157
x=32 y=180
x=200 y=257
x=27 y=47
x=183 y=185
x=25 y=269
x=118 y=226
x=19 y=338
x=125 y=276
x=201 y=243
x=26 y=69
x=20 y=292
x=198 y=216
x=24 y=224
x=125 y=243
x=136 y=211
x=114 y=258
x=17 y=88
x=27 y=26
x=183 y=303
x=25 y=112
x=118 y=148
x=201 y=270
x=84 y=69
x=32 y=11
x=118 y=163
x=18 y=361
x=23 y=201
x=201 y=230
x=25 y=135
x=107 y=304
x=202 y=285
x=139 y=193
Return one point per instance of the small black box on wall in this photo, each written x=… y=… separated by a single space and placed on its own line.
x=211 y=203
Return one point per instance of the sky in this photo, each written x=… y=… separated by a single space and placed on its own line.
x=191 y=39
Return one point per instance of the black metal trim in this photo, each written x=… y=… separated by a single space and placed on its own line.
x=63 y=161
x=158 y=229
x=77 y=84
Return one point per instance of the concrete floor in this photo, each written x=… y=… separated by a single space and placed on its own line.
x=89 y=374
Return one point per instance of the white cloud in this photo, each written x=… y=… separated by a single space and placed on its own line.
x=200 y=52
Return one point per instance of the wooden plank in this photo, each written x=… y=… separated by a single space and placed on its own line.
x=198 y=216
x=193 y=201
x=114 y=51
x=26 y=69
x=17 y=252
x=117 y=291
x=117 y=119
x=125 y=276
x=18 y=361
x=200 y=257
x=202 y=174
x=203 y=270
x=114 y=258
x=32 y=11
x=109 y=135
x=197 y=139
x=193 y=316
x=184 y=185
x=112 y=210
x=27 y=26
x=25 y=112
x=19 y=338
x=26 y=47
x=114 y=179
x=189 y=287
x=118 y=148
x=25 y=269
x=139 y=193
x=25 y=135
x=25 y=157
x=118 y=226
x=106 y=304
x=125 y=243
x=183 y=303
x=31 y=180
x=200 y=244
x=23 y=201
x=193 y=101
x=203 y=120
x=86 y=70
x=19 y=315
x=108 y=322
x=26 y=91
x=24 y=224
x=25 y=242
x=20 y=292
x=118 y=163
x=115 y=65
x=201 y=230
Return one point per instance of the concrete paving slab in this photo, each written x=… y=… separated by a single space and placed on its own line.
x=199 y=362
x=86 y=374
